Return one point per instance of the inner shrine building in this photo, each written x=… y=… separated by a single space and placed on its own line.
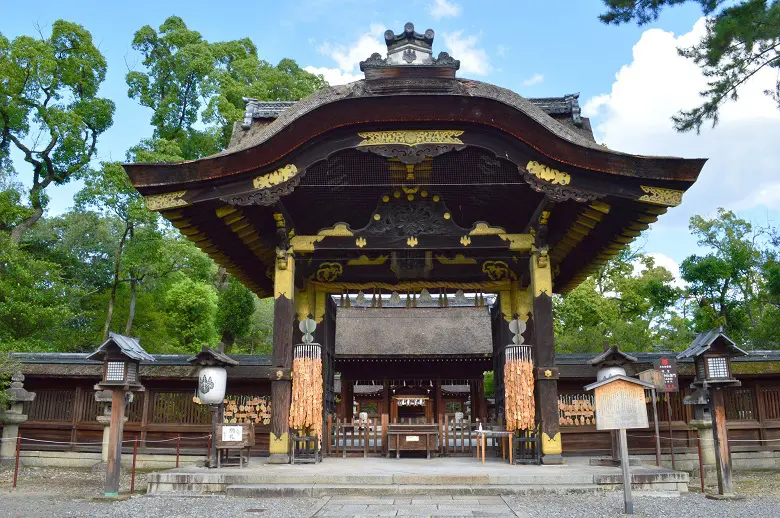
x=424 y=221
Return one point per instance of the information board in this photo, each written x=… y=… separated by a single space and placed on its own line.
x=231 y=433
x=668 y=368
x=620 y=404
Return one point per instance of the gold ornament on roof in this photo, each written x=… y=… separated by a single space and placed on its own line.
x=410 y=137
x=497 y=271
x=165 y=201
x=329 y=272
x=337 y=230
x=484 y=229
x=281 y=175
x=548 y=174
x=465 y=240
x=661 y=196
x=360 y=242
x=412 y=241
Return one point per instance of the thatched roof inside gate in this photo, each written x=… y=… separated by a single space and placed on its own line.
x=394 y=332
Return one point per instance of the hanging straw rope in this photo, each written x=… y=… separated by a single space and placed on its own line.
x=306 y=406
x=519 y=403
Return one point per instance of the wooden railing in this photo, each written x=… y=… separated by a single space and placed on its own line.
x=356 y=438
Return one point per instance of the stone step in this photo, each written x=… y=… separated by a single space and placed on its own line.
x=369 y=490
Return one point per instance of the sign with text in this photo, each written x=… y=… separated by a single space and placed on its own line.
x=231 y=433
x=668 y=368
x=620 y=404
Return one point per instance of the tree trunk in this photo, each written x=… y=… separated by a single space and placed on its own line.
x=131 y=310
x=24 y=226
x=115 y=283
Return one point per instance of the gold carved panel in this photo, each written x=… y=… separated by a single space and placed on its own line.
x=410 y=137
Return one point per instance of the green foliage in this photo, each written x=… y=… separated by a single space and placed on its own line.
x=490 y=389
x=49 y=109
x=743 y=37
x=192 y=310
x=186 y=75
x=34 y=299
x=261 y=331
x=635 y=311
x=236 y=306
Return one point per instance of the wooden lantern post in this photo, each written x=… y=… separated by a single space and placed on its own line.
x=121 y=357
x=712 y=352
x=212 y=384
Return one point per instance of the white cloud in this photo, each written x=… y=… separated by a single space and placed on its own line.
x=334 y=76
x=534 y=80
x=347 y=57
x=742 y=171
x=444 y=9
x=473 y=60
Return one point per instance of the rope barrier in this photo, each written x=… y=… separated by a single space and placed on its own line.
x=130 y=441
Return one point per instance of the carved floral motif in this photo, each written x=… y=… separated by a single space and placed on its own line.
x=166 y=200
x=548 y=174
x=281 y=175
x=661 y=196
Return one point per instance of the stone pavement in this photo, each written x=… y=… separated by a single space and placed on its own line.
x=444 y=505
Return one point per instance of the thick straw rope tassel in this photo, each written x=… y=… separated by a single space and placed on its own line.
x=306 y=406
x=519 y=405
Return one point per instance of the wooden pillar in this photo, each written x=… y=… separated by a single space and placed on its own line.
x=544 y=357
x=474 y=400
x=722 y=451
x=281 y=389
x=482 y=414
x=348 y=398
x=385 y=396
x=439 y=409
x=113 y=468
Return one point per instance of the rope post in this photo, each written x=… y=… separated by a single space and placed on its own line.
x=132 y=475
x=701 y=464
x=208 y=450
x=16 y=465
x=178 y=448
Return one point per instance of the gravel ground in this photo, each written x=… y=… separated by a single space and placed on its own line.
x=51 y=492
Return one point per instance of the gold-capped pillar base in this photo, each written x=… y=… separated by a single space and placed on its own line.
x=279 y=448
x=552 y=447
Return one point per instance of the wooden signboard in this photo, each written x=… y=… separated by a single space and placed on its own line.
x=667 y=367
x=620 y=404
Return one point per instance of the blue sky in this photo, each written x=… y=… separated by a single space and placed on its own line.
x=630 y=78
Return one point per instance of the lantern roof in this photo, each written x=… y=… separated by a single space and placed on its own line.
x=619 y=377
x=209 y=356
x=125 y=345
x=612 y=356
x=714 y=340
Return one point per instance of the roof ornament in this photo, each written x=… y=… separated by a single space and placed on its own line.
x=408 y=49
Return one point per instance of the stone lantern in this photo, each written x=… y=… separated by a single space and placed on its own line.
x=12 y=417
x=121 y=357
x=212 y=384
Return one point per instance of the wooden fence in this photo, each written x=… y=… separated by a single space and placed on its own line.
x=67 y=418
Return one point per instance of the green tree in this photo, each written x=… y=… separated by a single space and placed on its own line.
x=109 y=191
x=630 y=302
x=192 y=310
x=186 y=77
x=743 y=37
x=236 y=306
x=727 y=280
x=49 y=109
x=34 y=301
